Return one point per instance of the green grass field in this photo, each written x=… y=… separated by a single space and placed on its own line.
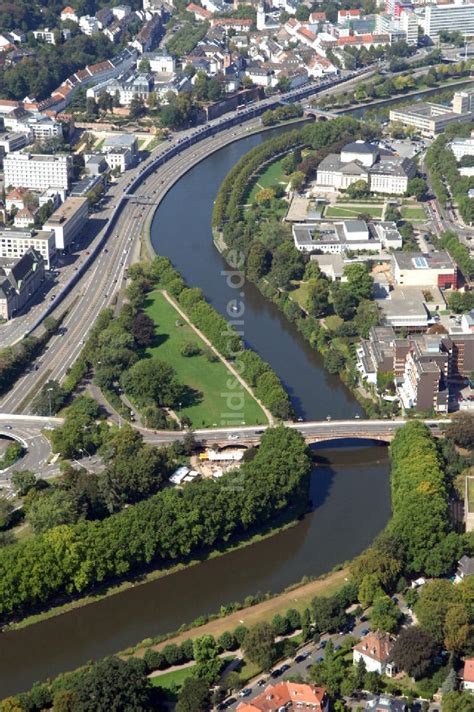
x=197 y=372
x=352 y=211
x=300 y=293
x=270 y=178
x=170 y=680
x=470 y=493
x=415 y=212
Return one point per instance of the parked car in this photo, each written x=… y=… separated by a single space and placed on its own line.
x=245 y=692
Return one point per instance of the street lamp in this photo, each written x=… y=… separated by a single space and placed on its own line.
x=49 y=399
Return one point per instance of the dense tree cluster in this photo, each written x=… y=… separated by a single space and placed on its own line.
x=187 y=37
x=420 y=503
x=282 y=113
x=449 y=241
x=445 y=177
x=166 y=527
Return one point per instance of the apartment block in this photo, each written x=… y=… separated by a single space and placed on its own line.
x=432 y=119
x=417 y=269
x=67 y=221
x=458 y=16
x=37 y=171
x=15 y=243
x=424 y=365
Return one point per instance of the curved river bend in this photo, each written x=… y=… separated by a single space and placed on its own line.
x=349 y=485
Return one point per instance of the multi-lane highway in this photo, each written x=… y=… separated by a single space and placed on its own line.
x=103 y=275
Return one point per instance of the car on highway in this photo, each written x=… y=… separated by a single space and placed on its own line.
x=233 y=436
x=7 y=427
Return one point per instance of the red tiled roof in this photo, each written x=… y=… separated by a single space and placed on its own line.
x=99 y=67
x=377 y=646
x=469 y=670
x=316 y=16
x=230 y=21
x=350 y=13
x=363 y=39
x=68 y=11
x=306 y=33
x=192 y=7
x=276 y=696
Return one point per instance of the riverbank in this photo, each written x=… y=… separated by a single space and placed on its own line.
x=298 y=596
x=288 y=520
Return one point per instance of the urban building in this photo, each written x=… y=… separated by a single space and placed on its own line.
x=432 y=119
x=345 y=236
x=19 y=281
x=465 y=568
x=15 y=243
x=67 y=221
x=37 y=171
x=51 y=36
x=10 y=142
x=364 y=161
x=119 y=159
x=417 y=269
x=462 y=147
x=468 y=675
x=289 y=696
x=374 y=649
x=455 y=17
x=24 y=218
x=424 y=366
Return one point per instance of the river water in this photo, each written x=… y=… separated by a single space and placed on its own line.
x=349 y=484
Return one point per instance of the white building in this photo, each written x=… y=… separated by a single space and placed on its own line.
x=462 y=147
x=121 y=11
x=374 y=649
x=159 y=62
x=362 y=161
x=89 y=25
x=454 y=17
x=24 y=218
x=49 y=36
x=15 y=243
x=335 y=238
x=121 y=158
x=67 y=221
x=37 y=171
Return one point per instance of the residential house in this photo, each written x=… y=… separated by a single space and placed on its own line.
x=375 y=649
x=468 y=675
x=465 y=568
x=24 y=218
x=288 y=696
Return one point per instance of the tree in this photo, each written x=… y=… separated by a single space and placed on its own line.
x=385 y=614
x=152 y=380
x=358 y=189
x=258 y=261
x=359 y=280
x=328 y=614
x=414 y=651
x=306 y=623
x=111 y=684
x=143 y=330
x=49 y=400
x=208 y=662
x=318 y=297
x=6 y=511
x=457 y=628
x=23 y=481
x=265 y=196
x=450 y=682
x=344 y=301
x=259 y=645
x=297 y=180
x=51 y=507
x=417 y=187
x=194 y=696
x=334 y=360
x=458 y=702
x=461 y=430
x=367 y=315
x=434 y=601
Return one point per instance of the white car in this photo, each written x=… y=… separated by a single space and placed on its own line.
x=233 y=436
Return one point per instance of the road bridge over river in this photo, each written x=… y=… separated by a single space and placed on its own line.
x=30 y=432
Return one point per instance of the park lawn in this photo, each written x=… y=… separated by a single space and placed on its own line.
x=197 y=372
x=270 y=178
x=352 y=211
x=413 y=212
x=299 y=292
x=470 y=493
x=170 y=680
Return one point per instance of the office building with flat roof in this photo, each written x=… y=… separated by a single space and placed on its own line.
x=15 y=243
x=432 y=119
x=37 y=171
x=454 y=17
x=67 y=221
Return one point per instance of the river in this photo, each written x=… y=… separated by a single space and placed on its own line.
x=349 y=484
